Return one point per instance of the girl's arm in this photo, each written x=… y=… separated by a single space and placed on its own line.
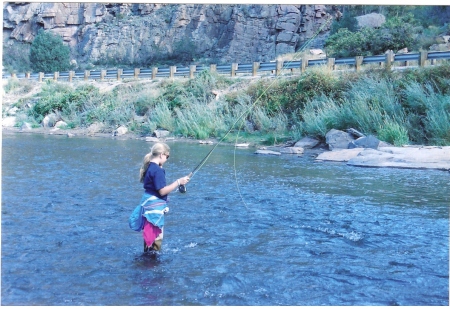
x=169 y=188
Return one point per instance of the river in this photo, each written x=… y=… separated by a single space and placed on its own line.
x=251 y=229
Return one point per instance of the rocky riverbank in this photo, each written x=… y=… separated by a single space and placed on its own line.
x=368 y=151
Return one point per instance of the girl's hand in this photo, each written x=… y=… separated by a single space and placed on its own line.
x=184 y=180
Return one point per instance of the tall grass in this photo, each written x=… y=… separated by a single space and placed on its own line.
x=400 y=108
x=431 y=110
x=370 y=105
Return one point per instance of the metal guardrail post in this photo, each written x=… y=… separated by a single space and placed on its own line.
x=255 y=68
x=86 y=74
x=27 y=75
x=137 y=71
x=279 y=66
x=55 y=76
x=13 y=75
x=358 y=62
x=304 y=64
x=154 y=71
x=71 y=74
x=234 y=67
x=192 y=69
x=41 y=76
x=102 y=75
x=423 y=58
x=389 y=58
x=173 y=70
x=213 y=68
x=330 y=64
x=433 y=61
x=119 y=74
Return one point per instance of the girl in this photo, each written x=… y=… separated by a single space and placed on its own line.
x=154 y=200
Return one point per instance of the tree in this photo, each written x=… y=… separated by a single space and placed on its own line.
x=48 y=53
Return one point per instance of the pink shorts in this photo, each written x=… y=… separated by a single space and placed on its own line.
x=150 y=233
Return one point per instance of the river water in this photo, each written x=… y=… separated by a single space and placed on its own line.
x=288 y=231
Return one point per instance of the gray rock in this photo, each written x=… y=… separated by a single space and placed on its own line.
x=60 y=124
x=337 y=139
x=307 y=143
x=404 y=157
x=292 y=150
x=151 y=139
x=267 y=152
x=369 y=141
x=26 y=126
x=122 y=130
x=9 y=121
x=372 y=20
x=340 y=155
x=161 y=133
x=49 y=121
x=400 y=157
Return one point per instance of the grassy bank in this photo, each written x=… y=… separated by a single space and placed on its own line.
x=400 y=107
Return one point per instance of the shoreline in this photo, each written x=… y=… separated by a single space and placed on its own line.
x=407 y=157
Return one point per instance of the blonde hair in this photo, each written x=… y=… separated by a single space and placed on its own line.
x=156 y=150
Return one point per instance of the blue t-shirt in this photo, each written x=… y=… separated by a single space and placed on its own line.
x=154 y=180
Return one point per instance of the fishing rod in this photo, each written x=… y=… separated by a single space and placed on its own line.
x=182 y=188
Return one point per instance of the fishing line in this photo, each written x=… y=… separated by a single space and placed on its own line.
x=182 y=188
x=263 y=93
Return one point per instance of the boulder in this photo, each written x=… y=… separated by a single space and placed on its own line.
x=95 y=128
x=369 y=141
x=372 y=20
x=26 y=126
x=122 y=130
x=316 y=52
x=161 y=133
x=9 y=121
x=337 y=139
x=49 y=121
x=61 y=124
x=307 y=143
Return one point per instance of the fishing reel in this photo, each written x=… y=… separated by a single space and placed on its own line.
x=182 y=188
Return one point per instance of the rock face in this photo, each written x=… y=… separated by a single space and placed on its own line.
x=143 y=33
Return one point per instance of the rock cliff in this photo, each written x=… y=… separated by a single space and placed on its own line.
x=143 y=33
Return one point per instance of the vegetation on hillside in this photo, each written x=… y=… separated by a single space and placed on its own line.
x=411 y=27
x=400 y=107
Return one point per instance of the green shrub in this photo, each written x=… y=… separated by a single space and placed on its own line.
x=16 y=57
x=48 y=53
x=346 y=43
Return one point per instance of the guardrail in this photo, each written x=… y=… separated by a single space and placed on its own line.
x=275 y=67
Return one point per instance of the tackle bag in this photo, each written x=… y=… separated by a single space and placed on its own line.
x=137 y=220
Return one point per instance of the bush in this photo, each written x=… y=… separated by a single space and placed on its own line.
x=16 y=57
x=48 y=53
x=346 y=43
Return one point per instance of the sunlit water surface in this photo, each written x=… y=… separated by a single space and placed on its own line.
x=251 y=230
